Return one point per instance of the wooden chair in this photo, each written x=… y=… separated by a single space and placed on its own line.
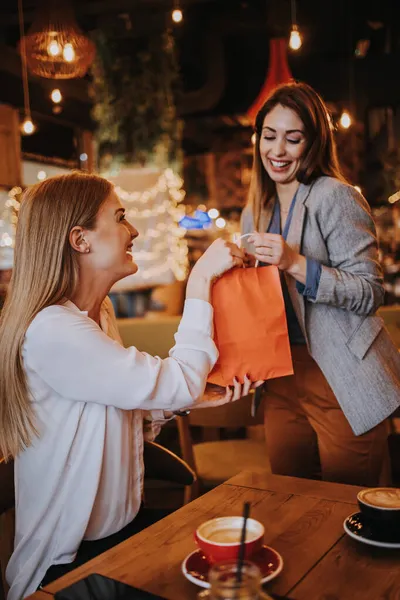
x=216 y=461
x=7 y=520
x=160 y=464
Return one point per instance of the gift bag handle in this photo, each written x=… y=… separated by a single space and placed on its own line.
x=237 y=239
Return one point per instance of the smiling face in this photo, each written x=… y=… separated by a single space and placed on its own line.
x=282 y=144
x=110 y=242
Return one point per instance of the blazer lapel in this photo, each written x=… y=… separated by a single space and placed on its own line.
x=266 y=216
x=294 y=241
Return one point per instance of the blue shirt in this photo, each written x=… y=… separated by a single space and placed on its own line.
x=313 y=275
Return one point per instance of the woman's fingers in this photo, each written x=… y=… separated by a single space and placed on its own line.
x=235 y=250
x=237 y=389
x=246 y=385
x=228 y=394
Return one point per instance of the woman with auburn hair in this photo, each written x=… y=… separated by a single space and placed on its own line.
x=75 y=405
x=329 y=419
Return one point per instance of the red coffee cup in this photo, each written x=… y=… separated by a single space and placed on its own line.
x=219 y=539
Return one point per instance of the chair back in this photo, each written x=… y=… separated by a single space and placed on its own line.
x=7 y=520
x=7 y=498
x=163 y=465
x=152 y=335
x=231 y=415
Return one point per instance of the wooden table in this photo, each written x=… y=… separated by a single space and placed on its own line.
x=303 y=520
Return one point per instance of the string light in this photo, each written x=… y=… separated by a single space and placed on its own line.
x=8 y=223
x=56 y=96
x=213 y=213
x=41 y=175
x=295 y=40
x=155 y=212
x=69 y=53
x=394 y=198
x=220 y=223
x=345 y=120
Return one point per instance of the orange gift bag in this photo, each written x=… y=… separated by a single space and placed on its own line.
x=250 y=328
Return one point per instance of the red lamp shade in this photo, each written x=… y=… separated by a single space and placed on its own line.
x=278 y=73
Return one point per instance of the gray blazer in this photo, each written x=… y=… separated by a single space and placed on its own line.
x=332 y=223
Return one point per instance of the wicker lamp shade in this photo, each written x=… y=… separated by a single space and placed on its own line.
x=55 y=46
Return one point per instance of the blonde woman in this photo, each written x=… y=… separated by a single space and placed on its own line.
x=73 y=401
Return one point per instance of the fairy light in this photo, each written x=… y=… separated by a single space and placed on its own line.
x=155 y=212
x=213 y=213
x=394 y=198
x=41 y=175
x=8 y=222
x=220 y=223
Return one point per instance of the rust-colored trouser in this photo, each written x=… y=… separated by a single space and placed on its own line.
x=307 y=434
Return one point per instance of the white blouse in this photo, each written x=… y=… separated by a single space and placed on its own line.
x=82 y=476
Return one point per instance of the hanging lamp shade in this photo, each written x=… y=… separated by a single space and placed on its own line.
x=278 y=73
x=55 y=46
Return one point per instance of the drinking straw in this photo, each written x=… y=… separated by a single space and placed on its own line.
x=246 y=512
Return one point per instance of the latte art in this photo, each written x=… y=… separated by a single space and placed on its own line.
x=382 y=497
x=230 y=536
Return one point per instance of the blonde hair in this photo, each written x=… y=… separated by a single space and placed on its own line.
x=320 y=157
x=45 y=272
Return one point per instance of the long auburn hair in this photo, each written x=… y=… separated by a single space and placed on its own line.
x=320 y=156
x=45 y=272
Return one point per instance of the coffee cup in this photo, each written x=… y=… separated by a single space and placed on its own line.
x=381 y=504
x=219 y=539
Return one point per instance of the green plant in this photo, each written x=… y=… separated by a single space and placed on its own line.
x=134 y=102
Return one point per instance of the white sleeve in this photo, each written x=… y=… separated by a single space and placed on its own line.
x=80 y=362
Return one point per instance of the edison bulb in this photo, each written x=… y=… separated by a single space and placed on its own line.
x=295 y=39
x=27 y=127
x=56 y=96
x=54 y=48
x=345 y=120
x=177 y=15
x=69 y=52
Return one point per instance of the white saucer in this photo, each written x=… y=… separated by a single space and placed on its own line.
x=358 y=527
x=195 y=567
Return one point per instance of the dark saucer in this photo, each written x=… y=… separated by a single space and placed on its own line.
x=359 y=527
